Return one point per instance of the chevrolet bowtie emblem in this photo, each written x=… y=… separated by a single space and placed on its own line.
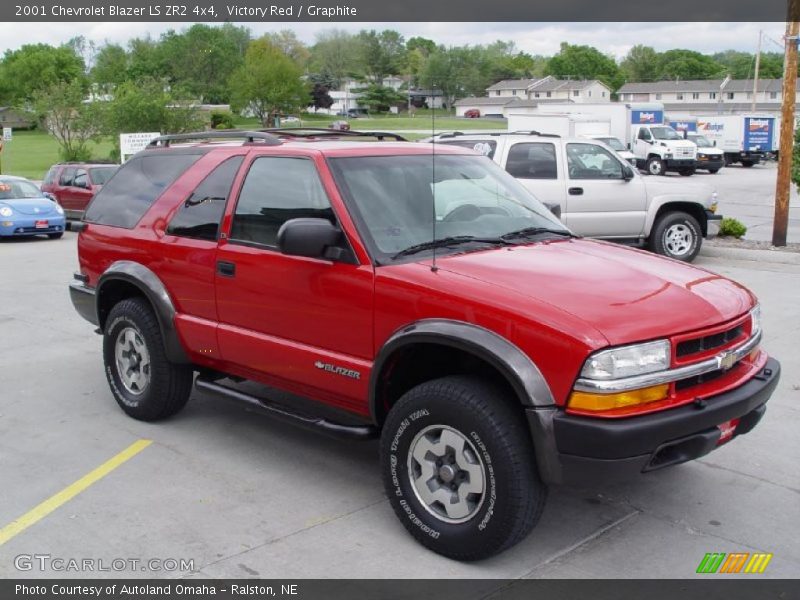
x=726 y=360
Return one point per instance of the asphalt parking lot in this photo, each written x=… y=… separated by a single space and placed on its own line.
x=243 y=496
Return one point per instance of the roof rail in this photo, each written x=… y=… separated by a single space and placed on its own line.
x=534 y=132
x=452 y=134
x=312 y=132
x=250 y=137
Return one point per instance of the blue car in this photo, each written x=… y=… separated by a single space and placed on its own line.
x=25 y=210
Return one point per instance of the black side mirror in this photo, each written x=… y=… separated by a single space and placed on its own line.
x=627 y=173
x=554 y=208
x=308 y=237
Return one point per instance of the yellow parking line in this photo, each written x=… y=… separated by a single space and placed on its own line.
x=68 y=493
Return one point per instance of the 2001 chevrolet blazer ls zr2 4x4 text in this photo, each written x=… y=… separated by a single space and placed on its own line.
x=518 y=356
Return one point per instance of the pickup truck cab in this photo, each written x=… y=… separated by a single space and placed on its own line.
x=709 y=157
x=600 y=195
x=418 y=294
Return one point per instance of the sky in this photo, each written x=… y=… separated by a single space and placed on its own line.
x=536 y=38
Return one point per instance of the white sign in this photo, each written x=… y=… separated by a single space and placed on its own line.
x=131 y=143
x=7 y=134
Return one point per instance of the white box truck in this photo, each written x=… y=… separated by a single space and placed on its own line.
x=657 y=148
x=744 y=139
x=565 y=125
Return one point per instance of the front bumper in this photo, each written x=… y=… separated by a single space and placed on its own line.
x=680 y=163
x=23 y=226
x=578 y=450
x=83 y=299
x=711 y=163
x=713 y=222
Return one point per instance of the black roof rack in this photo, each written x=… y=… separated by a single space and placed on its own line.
x=313 y=132
x=452 y=134
x=250 y=137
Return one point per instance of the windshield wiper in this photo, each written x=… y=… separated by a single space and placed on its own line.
x=530 y=231
x=451 y=241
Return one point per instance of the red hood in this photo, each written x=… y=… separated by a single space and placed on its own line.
x=627 y=295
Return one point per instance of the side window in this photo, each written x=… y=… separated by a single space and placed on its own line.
x=137 y=184
x=200 y=214
x=50 y=178
x=81 y=179
x=590 y=161
x=67 y=176
x=275 y=190
x=532 y=160
x=485 y=147
x=644 y=134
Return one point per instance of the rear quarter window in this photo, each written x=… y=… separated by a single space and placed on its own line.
x=135 y=186
x=485 y=147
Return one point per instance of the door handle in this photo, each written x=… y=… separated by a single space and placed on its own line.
x=226 y=269
x=576 y=191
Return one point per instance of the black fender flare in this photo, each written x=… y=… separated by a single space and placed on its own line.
x=156 y=293
x=519 y=370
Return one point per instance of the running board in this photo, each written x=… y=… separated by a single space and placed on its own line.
x=353 y=432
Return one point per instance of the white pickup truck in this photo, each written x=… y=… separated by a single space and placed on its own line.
x=599 y=194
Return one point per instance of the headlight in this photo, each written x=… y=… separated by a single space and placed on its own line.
x=668 y=155
x=59 y=210
x=628 y=361
x=6 y=211
x=755 y=320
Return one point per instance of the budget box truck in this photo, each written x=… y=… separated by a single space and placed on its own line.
x=657 y=148
x=744 y=139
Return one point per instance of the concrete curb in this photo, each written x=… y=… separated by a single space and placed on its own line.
x=756 y=255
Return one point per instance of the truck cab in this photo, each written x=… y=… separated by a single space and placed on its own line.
x=709 y=157
x=659 y=148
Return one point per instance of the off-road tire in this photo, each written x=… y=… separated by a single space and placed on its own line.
x=56 y=236
x=513 y=496
x=655 y=166
x=169 y=384
x=676 y=222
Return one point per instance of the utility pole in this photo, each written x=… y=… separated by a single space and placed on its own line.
x=784 y=183
x=755 y=78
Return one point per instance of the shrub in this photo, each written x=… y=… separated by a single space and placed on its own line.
x=732 y=227
x=222 y=120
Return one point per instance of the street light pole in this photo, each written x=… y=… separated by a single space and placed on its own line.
x=784 y=183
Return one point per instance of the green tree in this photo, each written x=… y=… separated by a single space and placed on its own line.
x=380 y=54
x=268 y=83
x=147 y=105
x=292 y=47
x=36 y=67
x=454 y=72
x=584 y=62
x=640 y=64
x=688 y=64
x=379 y=98
x=110 y=66
x=334 y=56
x=201 y=60
x=146 y=60
x=69 y=119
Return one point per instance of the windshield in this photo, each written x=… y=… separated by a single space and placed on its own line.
x=613 y=143
x=393 y=196
x=100 y=175
x=701 y=141
x=11 y=189
x=665 y=133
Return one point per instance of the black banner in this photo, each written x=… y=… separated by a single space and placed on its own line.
x=390 y=10
x=393 y=589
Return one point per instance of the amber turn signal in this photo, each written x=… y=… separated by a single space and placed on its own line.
x=600 y=402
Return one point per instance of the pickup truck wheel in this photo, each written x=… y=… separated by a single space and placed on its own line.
x=144 y=383
x=747 y=163
x=677 y=235
x=713 y=171
x=459 y=469
x=655 y=166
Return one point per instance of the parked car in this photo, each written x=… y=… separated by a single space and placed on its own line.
x=340 y=126
x=709 y=157
x=444 y=310
x=26 y=211
x=74 y=184
x=600 y=194
x=472 y=113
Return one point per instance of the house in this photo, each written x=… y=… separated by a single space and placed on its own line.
x=708 y=96
x=573 y=90
x=508 y=88
x=14 y=118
